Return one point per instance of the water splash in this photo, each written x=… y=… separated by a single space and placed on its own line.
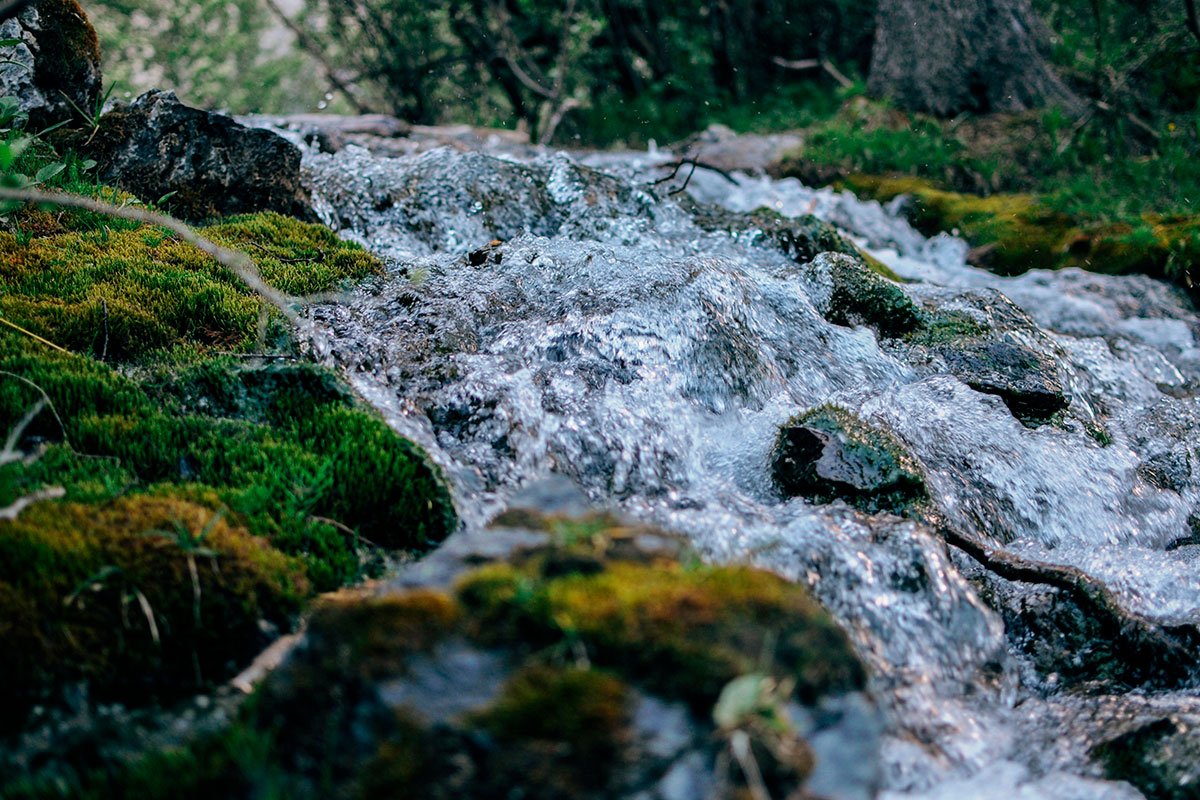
x=546 y=314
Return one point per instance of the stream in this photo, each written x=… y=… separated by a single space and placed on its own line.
x=553 y=313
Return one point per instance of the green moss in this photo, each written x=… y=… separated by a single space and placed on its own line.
x=239 y=763
x=293 y=452
x=828 y=453
x=859 y=296
x=684 y=632
x=139 y=596
x=378 y=634
x=1013 y=233
x=945 y=328
x=127 y=291
x=561 y=731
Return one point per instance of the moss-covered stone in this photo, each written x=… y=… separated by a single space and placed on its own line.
x=1013 y=233
x=143 y=595
x=684 y=632
x=129 y=291
x=528 y=674
x=828 y=453
x=799 y=238
x=851 y=294
x=1001 y=358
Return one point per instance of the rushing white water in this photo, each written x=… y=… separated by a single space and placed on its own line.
x=607 y=338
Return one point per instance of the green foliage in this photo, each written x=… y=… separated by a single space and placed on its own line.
x=127 y=291
x=225 y=54
x=313 y=459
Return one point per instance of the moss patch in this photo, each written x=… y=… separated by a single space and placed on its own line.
x=150 y=595
x=1013 y=233
x=127 y=291
x=284 y=454
x=684 y=632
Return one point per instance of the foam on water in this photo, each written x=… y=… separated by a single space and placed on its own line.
x=611 y=340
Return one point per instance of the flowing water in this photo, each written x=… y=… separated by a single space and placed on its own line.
x=605 y=337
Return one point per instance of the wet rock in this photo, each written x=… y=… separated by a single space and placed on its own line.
x=800 y=238
x=828 y=453
x=847 y=292
x=994 y=348
x=56 y=67
x=580 y=659
x=1027 y=381
x=1161 y=758
x=204 y=164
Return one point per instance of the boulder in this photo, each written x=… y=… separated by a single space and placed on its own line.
x=989 y=344
x=54 y=73
x=205 y=164
x=573 y=656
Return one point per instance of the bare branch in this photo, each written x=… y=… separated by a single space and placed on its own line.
x=14 y=509
x=314 y=49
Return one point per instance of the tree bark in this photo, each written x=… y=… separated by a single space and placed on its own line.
x=945 y=57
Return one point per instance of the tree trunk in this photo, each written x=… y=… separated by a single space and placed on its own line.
x=948 y=56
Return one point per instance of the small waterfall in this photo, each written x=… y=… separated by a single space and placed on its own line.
x=552 y=314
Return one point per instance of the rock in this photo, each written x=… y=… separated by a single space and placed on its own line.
x=207 y=163
x=580 y=659
x=848 y=292
x=993 y=347
x=1026 y=380
x=800 y=238
x=56 y=68
x=1161 y=758
x=828 y=453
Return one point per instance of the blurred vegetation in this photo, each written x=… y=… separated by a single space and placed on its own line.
x=168 y=503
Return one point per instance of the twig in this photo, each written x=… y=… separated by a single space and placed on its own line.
x=317 y=52
x=694 y=164
x=9 y=453
x=33 y=335
x=104 y=351
x=814 y=63
x=45 y=398
x=238 y=263
x=13 y=510
x=267 y=356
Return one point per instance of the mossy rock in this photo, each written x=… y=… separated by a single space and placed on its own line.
x=527 y=673
x=142 y=596
x=800 y=238
x=849 y=293
x=828 y=453
x=1013 y=233
x=126 y=291
x=1001 y=353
